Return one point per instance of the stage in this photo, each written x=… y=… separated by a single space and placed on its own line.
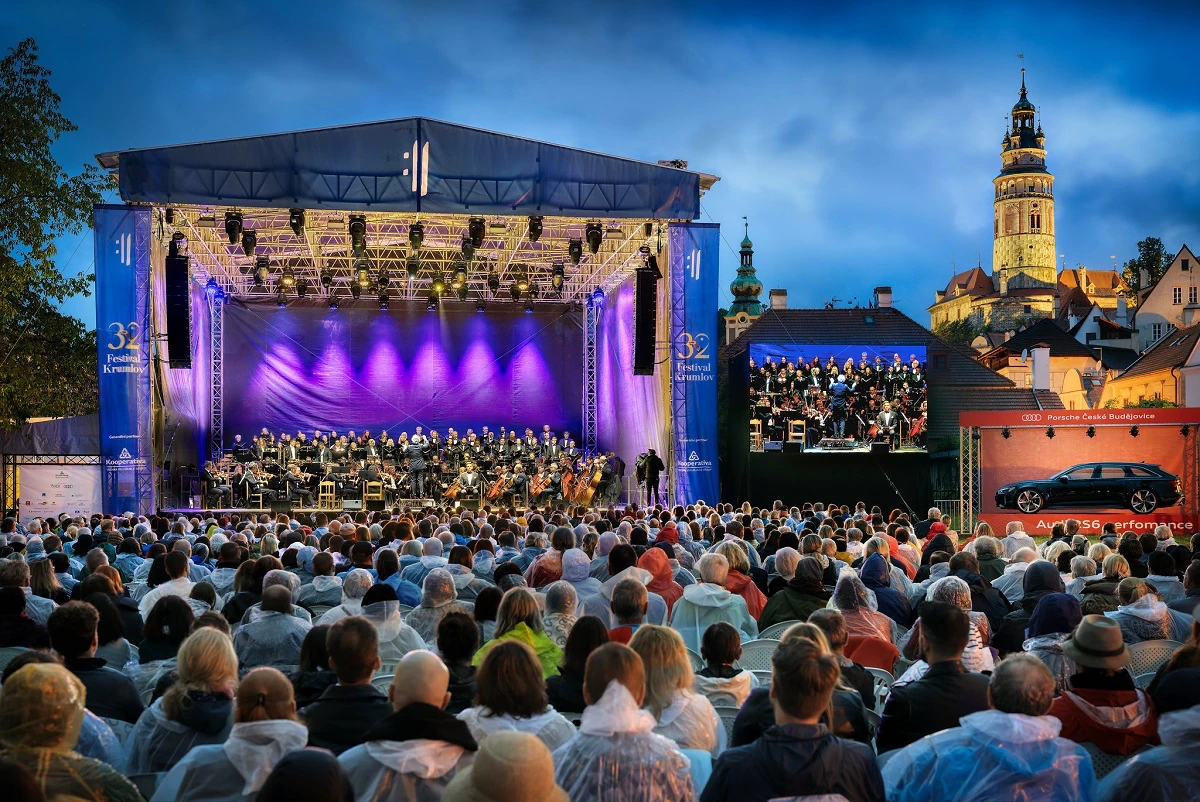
x=893 y=479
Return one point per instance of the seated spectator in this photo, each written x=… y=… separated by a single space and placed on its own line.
x=169 y=623
x=41 y=714
x=992 y=556
x=708 y=602
x=197 y=710
x=250 y=593
x=16 y=628
x=785 y=561
x=1014 y=746
x=272 y=636
x=313 y=673
x=387 y=571
x=1169 y=772
x=487 y=605
x=1099 y=596
x=616 y=756
x=15 y=574
x=457 y=642
x=43 y=582
x=798 y=756
x=565 y=690
x=853 y=675
x=417 y=749
x=438 y=597
x=1187 y=603
x=73 y=634
x=511 y=696
x=1083 y=569
x=984 y=598
x=946 y=692
x=307 y=774
x=1052 y=622
x=622 y=564
x=229 y=557
x=325 y=589
x=1015 y=539
x=576 y=567
x=203 y=599
x=630 y=602
x=876 y=576
x=684 y=716
x=265 y=730
x=339 y=717
x=1143 y=617
x=515 y=762
x=355 y=585
x=859 y=609
x=396 y=638
x=738 y=580
x=559 y=615
x=1012 y=582
x=106 y=580
x=1131 y=549
x=803 y=594
x=657 y=560
x=1101 y=705
x=176 y=565
x=719 y=681
x=520 y=618
x=1040 y=578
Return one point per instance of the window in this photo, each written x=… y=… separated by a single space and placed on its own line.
x=1028 y=309
x=1083 y=472
x=1156 y=332
x=1112 y=472
x=1177 y=295
x=1184 y=264
x=1035 y=220
x=1191 y=295
x=1135 y=470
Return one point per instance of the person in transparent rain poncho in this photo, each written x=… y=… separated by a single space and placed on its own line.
x=976 y=657
x=284 y=579
x=355 y=584
x=561 y=604
x=272 y=636
x=41 y=712
x=1142 y=616
x=616 y=757
x=681 y=714
x=439 y=596
x=265 y=730
x=1014 y=747
x=396 y=638
x=858 y=606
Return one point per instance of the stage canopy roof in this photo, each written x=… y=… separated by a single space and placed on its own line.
x=301 y=195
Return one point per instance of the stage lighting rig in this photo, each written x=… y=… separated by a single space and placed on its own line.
x=262 y=270
x=385 y=278
x=326 y=278
x=439 y=284
x=233 y=226
x=535 y=227
x=362 y=272
x=493 y=282
x=468 y=249
x=529 y=305
x=557 y=276
x=598 y=297
x=416 y=235
x=358 y=232
x=333 y=301
x=433 y=303
x=169 y=216
x=355 y=290
x=413 y=265
x=480 y=305
x=296 y=221
x=281 y=298
x=301 y=288
x=249 y=241
x=178 y=245
x=462 y=292
x=594 y=232
x=288 y=277
x=460 y=276
x=523 y=278
x=211 y=288
x=476 y=229
x=575 y=250
x=515 y=291
x=383 y=301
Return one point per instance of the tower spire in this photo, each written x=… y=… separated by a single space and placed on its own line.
x=746 y=288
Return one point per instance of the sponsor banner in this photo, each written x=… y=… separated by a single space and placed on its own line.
x=47 y=490
x=1183 y=525
x=122 y=235
x=1081 y=417
x=694 y=249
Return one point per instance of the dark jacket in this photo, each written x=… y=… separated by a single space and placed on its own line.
x=858 y=678
x=110 y=694
x=1040 y=580
x=566 y=691
x=1188 y=603
x=1099 y=596
x=420 y=721
x=131 y=618
x=795 y=759
x=153 y=649
x=758 y=715
x=936 y=701
x=462 y=688
x=794 y=603
x=21 y=630
x=309 y=685
x=239 y=604
x=991 y=568
x=340 y=718
x=986 y=599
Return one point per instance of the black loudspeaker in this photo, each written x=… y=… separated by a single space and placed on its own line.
x=376 y=505
x=645 y=312
x=881 y=448
x=280 y=505
x=793 y=447
x=179 y=313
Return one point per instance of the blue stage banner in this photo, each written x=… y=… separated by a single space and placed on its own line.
x=122 y=326
x=694 y=250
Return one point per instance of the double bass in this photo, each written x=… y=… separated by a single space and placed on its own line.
x=451 y=493
x=588 y=491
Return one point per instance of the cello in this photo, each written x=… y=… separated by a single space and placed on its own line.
x=593 y=484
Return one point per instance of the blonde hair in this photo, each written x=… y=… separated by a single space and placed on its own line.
x=1116 y=565
x=42 y=581
x=734 y=554
x=1130 y=589
x=206 y=663
x=518 y=607
x=1057 y=548
x=268 y=546
x=666 y=663
x=1099 y=552
x=807 y=631
x=114 y=576
x=984 y=529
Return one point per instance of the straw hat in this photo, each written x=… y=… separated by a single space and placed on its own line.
x=1097 y=643
x=512 y=766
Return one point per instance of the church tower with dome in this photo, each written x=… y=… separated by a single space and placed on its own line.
x=746 y=289
x=1023 y=253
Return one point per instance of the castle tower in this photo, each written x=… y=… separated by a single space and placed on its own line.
x=746 y=287
x=1023 y=253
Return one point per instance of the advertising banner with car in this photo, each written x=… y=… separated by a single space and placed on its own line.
x=1136 y=468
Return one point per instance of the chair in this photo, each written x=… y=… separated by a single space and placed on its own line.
x=1148 y=656
x=728 y=714
x=386 y=668
x=775 y=631
x=372 y=491
x=382 y=681
x=134 y=655
x=796 y=431
x=756 y=435
x=319 y=610
x=697 y=661
x=327 y=495
x=756 y=654
x=872 y=652
x=883 y=684
x=1104 y=763
x=1143 y=680
x=8 y=653
x=873 y=719
x=763 y=677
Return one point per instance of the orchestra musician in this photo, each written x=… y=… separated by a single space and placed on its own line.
x=889 y=425
x=415 y=453
x=216 y=484
x=296 y=485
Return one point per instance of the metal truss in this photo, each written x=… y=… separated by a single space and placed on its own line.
x=970 y=497
x=216 y=415
x=143 y=243
x=676 y=293
x=324 y=245
x=592 y=322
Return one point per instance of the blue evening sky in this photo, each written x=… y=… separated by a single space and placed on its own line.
x=859 y=138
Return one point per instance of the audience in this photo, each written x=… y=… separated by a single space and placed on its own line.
x=803 y=594
x=457 y=642
x=271 y=635
x=682 y=715
x=73 y=634
x=708 y=602
x=565 y=689
x=520 y=619
x=511 y=696
x=341 y=715
x=18 y=630
x=630 y=603
x=720 y=681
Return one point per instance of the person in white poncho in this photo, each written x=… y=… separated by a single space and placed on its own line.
x=355 y=584
x=682 y=715
x=510 y=696
x=272 y=636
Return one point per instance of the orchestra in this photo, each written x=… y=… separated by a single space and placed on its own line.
x=474 y=468
x=865 y=401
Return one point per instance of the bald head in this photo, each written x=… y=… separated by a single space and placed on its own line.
x=1025 y=555
x=277 y=599
x=420 y=677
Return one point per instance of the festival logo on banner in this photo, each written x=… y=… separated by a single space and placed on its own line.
x=122 y=316
x=693 y=278
x=1134 y=468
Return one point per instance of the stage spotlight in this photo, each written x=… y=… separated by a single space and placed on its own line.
x=515 y=291
x=575 y=250
x=385 y=278
x=460 y=276
x=212 y=288
x=481 y=305
x=595 y=235
x=1050 y=432
x=439 y=284
x=169 y=216
x=598 y=297
x=476 y=228
x=468 y=249
x=301 y=288
x=1005 y=433
x=288 y=278
x=413 y=266
x=355 y=290
x=249 y=241
x=529 y=306
x=326 y=278
x=1091 y=431
x=358 y=232
x=178 y=245
x=1133 y=431
x=462 y=292
x=535 y=227
x=262 y=270
x=1185 y=430
x=333 y=302
x=433 y=303
x=416 y=235
x=383 y=301
x=523 y=278
x=493 y=282
x=557 y=276
x=296 y=221
x=233 y=226
x=281 y=298
x=362 y=272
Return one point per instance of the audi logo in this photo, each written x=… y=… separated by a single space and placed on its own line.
x=1031 y=418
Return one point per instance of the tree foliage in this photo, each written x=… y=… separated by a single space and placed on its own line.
x=46 y=355
x=960 y=332
x=1154 y=257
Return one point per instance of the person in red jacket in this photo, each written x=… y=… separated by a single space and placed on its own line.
x=1101 y=705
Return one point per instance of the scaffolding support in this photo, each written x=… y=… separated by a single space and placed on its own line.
x=216 y=420
x=145 y=478
x=969 y=490
x=594 y=308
